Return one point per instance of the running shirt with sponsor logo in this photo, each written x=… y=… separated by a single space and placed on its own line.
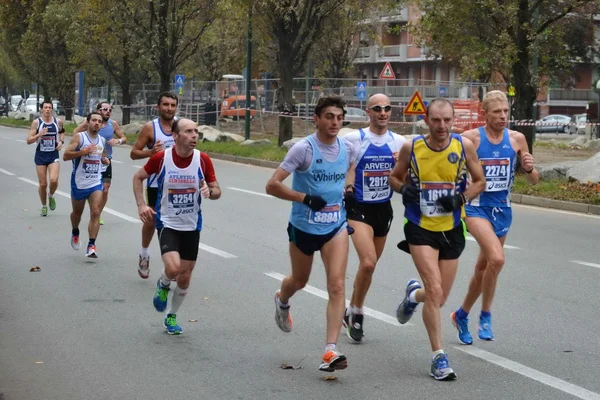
x=167 y=142
x=48 y=142
x=179 y=181
x=436 y=173
x=374 y=163
x=499 y=163
x=87 y=170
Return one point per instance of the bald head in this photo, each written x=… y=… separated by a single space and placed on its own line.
x=182 y=124
x=379 y=108
x=378 y=99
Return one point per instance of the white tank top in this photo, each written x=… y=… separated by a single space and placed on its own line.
x=167 y=141
x=178 y=205
x=87 y=170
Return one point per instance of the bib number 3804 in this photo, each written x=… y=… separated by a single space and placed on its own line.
x=330 y=214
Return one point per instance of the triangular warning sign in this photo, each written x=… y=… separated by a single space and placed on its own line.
x=415 y=106
x=387 y=72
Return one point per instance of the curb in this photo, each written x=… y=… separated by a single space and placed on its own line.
x=516 y=198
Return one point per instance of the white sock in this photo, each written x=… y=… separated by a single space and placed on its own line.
x=330 y=346
x=51 y=195
x=349 y=309
x=435 y=353
x=357 y=310
x=178 y=297
x=164 y=279
x=282 y=304
x=412 y=297
x=145 y=252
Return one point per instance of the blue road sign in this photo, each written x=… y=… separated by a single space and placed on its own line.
x=361 y=91
x=179 y=81
x=443 y=92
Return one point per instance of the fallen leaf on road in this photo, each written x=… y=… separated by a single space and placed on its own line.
x=193 y=320
x=35 y=269
x=206 y=298
x=29 y=227
x=330 y=378
x=286 y=366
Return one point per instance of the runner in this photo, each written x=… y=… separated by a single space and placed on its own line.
x=109 y=129
x=154 y=137
x=178 y=216
x=489 y=215
x=47 y=133
x=368 y=203
x=319 y=164
x=433 y=199
x=88 y=152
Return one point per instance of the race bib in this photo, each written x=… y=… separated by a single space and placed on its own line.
x=376 y=185
x=430 y=193
x=330 y=214
x=181 y=201
x=48 y=143
x=497 y=173
x=91 y=168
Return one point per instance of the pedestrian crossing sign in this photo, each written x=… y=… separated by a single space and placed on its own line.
x=387 y=72
x=415 y=106
x=511 y=91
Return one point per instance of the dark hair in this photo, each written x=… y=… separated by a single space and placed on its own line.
x=168 y=95
x=89 y=116
x=175 y=126
x=329 y=101
x=438 y=100
x=99 y=105
x=47 y=102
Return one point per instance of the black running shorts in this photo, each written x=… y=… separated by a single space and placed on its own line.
x=309 y=243
x=184 y=242
x=377 y=215
x=450 y=243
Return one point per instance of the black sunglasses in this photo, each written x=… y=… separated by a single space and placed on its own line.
x=379 y=108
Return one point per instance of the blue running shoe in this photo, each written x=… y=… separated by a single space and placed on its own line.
x=406 y=308
x=171 y=324
x=485 y=328
x=440 y=368
x=462 y=325
x=160 y=297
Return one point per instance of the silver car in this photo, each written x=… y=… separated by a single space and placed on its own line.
x=553 y=123
x=578 y=124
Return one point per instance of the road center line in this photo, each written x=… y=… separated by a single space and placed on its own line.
x=589 y=264
x=201 y=246
x=250 y=191
x=531 y=373
x=136 y=166
x=115 y=161
x=22 y=141
x=322 y=294
x=513 y=366
x=6 y=172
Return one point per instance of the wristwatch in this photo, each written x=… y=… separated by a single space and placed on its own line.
x=210 y=192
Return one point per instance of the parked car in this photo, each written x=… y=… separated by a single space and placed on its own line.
x=578 y=123
x=58 y=107
x=553 y=123
x=356 y=115
x=30 y=104
x=3 y=106
x=14 y=102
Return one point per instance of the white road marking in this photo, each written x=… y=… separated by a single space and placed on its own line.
x=506 y=246
x=531 y=373
x=589 y=264
x=6 y=172
x=218 y=252
x=115 y=161
x=510 y=365
x=322 y=294
x=250 y=191
x=136 y=166
x=6 y=137
x=22 y=141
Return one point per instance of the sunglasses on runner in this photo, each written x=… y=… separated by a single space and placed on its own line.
x=379 y=108
x=106 y=109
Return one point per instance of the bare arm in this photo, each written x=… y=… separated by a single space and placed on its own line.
x=527 y=161
x=216 y=190
x=145 y=212
x=351 y=175
x=477 y=177
x=145 y=137
x=81 y=127
x=71 y=152
x=400 y=170
x=120 y=135
x=275 y=187
x=33 y=134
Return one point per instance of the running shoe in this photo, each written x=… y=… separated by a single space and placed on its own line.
x=333 y=360
x=75 y=242
x=91 y=251
x=462 y=325
x=144 y=267
x=52 y=204
x=406 y=308
x=170 y=324
x=161 y=297
x=440 y=368
x=354 y=328
x=101 y=221
x=485 y=328
x=283 y=318
x=44 y=211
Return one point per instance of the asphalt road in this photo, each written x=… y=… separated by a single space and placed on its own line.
x=88 y=330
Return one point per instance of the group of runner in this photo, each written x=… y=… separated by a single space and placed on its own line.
x=341 y=187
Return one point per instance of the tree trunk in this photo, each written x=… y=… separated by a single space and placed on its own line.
x=125 y=87
x=285 y=102
x=164 y=65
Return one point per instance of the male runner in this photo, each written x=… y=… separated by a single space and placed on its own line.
x=47 y=133
x=319 y=164
x=433 y=198
x=185 y=176
x=368 y=205
x=109 y=129
x=88 y=152
x=489 y=215
x=155 y=135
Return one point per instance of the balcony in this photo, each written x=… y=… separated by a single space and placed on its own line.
x=400 y=14
x=374 y=54
x=572 y=95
